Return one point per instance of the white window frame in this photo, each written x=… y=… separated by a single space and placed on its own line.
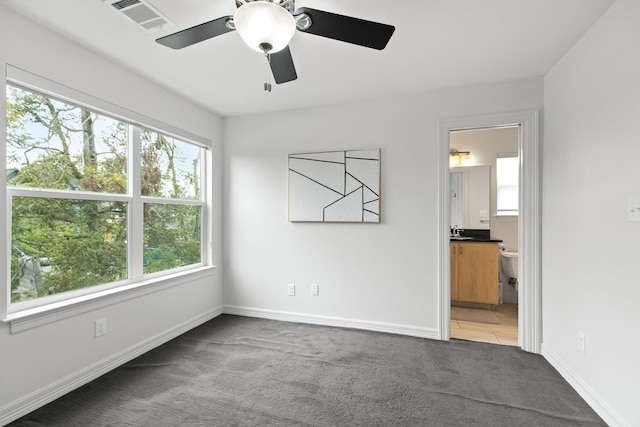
x=32 y=313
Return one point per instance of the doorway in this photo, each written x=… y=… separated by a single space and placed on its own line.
x=528 y=222
x=484 y=204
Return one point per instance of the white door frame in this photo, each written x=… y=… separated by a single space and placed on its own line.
x=529 y=223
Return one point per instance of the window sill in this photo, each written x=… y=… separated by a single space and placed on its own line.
x=32 y=318
x=505 y=214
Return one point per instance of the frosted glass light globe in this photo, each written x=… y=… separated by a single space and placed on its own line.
x=262 y=24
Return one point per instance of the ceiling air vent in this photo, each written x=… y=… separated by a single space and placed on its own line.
x=141 y=12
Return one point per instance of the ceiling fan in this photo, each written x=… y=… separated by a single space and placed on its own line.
x=268 y=25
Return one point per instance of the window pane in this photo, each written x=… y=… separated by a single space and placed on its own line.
x=171 y=236
x=51 y=144
x=60 y=245
x=170 y=167
x=507 y=198
x=507 y=170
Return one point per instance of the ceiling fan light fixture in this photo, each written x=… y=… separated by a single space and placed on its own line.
x=264 y=26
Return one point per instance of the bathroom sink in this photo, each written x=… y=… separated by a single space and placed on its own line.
x=460 y=238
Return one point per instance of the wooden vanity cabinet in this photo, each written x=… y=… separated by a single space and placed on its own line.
x=474 y=272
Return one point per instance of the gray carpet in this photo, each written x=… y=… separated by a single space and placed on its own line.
x=238 y=371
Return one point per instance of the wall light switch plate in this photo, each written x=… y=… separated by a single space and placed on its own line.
x=292 y=289
x=581 y=341
x=633 y=211
x=315 y=289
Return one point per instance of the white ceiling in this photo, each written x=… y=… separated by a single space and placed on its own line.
x=437 y=44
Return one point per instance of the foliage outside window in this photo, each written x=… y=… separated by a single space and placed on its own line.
x=171 y=231
x=76 y=196
x=507 y=177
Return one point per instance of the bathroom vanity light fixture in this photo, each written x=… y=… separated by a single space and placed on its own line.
x=458 y=158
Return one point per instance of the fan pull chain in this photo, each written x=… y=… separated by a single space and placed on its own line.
x=267 y=71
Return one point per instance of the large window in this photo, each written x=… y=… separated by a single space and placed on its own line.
x=95 y=202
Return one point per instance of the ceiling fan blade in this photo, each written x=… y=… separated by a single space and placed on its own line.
x=347 y=29
x=196 y=34
x=282 y=66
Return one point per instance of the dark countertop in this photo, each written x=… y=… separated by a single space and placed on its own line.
x=471 y=235
x=474 y=239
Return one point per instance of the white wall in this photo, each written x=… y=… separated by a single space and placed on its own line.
x=37 y=364
x=590 y=250
x=379 y=276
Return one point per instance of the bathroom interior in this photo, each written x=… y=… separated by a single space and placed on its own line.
x=484 y=168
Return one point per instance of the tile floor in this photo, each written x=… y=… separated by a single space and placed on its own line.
x=503 y=333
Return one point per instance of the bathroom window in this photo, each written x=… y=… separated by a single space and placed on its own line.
x=507 y=177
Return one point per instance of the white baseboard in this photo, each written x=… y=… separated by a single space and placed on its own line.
x=285 y=316
x=49 y=393
x=602 y=408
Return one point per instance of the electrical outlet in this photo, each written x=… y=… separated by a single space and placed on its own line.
x=292 y=289
x=100 y=327
x=581 y=340
x=315 y=289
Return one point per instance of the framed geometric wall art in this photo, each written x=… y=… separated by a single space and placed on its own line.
x=335 y=186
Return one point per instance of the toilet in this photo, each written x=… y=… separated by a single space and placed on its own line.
x=509 y=262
